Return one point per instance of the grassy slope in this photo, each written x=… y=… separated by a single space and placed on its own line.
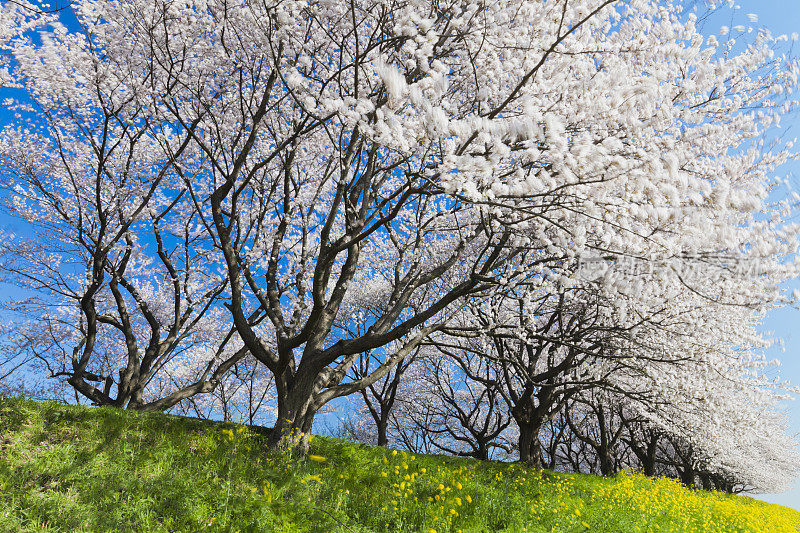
x=67 y=468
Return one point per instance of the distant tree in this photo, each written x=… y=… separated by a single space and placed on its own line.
x=245 y=394
x=462 y=416
x=116 y=270
x=380 y=397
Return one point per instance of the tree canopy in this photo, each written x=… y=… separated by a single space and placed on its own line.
x=553 y=205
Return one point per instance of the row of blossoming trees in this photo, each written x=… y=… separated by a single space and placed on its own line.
x=547 y=228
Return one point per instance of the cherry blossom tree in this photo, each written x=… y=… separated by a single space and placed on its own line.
x=393 y=163
x=529 y=365
x=245 y=393
x=461 y=415
x=379 y=397
x=117 y=272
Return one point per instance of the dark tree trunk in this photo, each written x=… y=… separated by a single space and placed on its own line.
x=606 y=462
x=687 y=476
x=530 y=450
x=649 y=459
x=295 y=413
x=383 y=425
x=482 y=451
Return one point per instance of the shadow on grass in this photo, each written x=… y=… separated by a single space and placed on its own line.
x=103 y=469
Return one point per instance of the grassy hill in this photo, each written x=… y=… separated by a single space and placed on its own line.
x=68 y=468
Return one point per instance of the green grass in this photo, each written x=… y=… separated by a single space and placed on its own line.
x=69 y=468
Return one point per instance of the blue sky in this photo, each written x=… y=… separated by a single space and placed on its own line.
x=780 y=16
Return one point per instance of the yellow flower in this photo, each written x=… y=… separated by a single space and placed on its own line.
x=458 y=501
x=317 y=458
x=394 y=452
x=458 y=485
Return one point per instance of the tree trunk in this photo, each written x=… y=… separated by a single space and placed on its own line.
x=295 y=414
x=530 y=451
x=606 y=463
x=687 y=476
x=482 y=452
x=383 y=425
x=649 y=460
